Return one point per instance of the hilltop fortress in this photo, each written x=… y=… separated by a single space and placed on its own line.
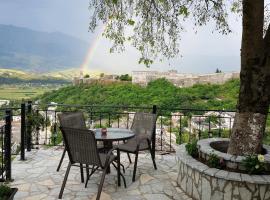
x=181 y=79
x=178 y=79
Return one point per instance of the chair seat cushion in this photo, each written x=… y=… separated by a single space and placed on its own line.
x=103 y=158
x=131 y=146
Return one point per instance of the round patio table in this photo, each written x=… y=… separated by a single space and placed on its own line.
x=112 y=135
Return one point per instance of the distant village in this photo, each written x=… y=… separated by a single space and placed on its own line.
x=178 y=79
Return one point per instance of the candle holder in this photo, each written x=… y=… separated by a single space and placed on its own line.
x=103 y=131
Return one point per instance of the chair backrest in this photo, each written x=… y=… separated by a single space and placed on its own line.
x=81 y=146
x=143 y=124
x=72 y=120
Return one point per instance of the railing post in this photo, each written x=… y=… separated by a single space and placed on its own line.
x=154 y=111
x=23 y=131
x=54 y=129
x=7 y=143
x=29 y=134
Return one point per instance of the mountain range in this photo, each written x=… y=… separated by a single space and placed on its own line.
x=12 y=76
x=35 y=51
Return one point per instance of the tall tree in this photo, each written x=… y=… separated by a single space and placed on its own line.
x=156 y=30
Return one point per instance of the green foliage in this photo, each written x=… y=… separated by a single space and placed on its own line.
x=36 y=121
x=159 y=92
x=254 y=164
x=218 y=70
x=124 y=77
x=159 y=24
x=5 y=191
x=101 y=75
x=214 y=161
x=56 y=137
x=86 y=76
x=183 y=138
x=192 y=149
x=183 y=11
x=131 y=22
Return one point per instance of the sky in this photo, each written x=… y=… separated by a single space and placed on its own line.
x=201 y=53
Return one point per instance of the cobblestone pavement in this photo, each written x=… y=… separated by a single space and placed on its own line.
x=36 y=178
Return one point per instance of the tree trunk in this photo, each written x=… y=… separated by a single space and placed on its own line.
x=253 y=103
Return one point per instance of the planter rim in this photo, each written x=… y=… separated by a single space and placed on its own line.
x=204 y=146
x=191 y=162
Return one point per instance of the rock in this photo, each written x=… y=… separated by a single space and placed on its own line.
x=103 y=196
x=144 y=178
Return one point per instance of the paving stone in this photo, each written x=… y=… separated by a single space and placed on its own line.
x=103 y=196
x=144 y=178
x=156 y=197
x=37 y=178
x=35 y=197
x=24 y=187
x=47 y=182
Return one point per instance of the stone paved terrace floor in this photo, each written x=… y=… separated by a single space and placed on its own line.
x=36 y=178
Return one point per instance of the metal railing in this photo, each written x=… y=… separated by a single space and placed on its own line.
x=174 y=125
x=5 y=147
x=38 y=125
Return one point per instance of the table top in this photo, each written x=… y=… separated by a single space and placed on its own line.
x=113 y=134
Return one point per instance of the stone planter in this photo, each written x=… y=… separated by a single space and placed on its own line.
x=204 y=183
x=14 y=190
x=218 y=146
x=11 y=196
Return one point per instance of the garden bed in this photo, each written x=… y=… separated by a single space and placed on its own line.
x=219 y=146
x=203 y=183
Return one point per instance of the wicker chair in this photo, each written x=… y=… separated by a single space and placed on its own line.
x=71 y=120
x=143 y=126
x=82 y=148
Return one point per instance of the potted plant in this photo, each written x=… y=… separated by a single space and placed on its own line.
x=7 y=193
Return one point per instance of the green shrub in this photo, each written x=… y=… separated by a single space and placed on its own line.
x=214 y=161
x=5 y=191
x=192 y=148
x=183 y=138
x=254 y=164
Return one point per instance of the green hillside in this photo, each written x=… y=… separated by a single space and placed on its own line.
x=12 y=76
x=69 y=74
x=159 y=92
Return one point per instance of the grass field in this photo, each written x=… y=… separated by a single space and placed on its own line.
x=22 y=92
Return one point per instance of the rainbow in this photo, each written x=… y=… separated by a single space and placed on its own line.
x=84 y=67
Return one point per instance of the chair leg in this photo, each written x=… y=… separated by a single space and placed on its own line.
x=101 y=182
x=129 y=158
x=118 y=167
x=120 y=175
x=123 y=167
x=89 y=175
x=61 y=160
x=81 y=169
x=152 y=156
x=135 y=166
x=153 y=159
x=125 y=184
x=64 y=182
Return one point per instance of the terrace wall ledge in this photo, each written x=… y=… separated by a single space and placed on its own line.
x=202 y=182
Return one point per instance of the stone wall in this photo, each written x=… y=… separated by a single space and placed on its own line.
x=182 y=80
x=203 y=183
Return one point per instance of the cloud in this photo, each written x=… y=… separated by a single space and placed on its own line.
x=202 y=52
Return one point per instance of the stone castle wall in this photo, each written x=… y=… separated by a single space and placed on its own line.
x=182 y=80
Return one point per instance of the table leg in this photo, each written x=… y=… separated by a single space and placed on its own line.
x=108 y=146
